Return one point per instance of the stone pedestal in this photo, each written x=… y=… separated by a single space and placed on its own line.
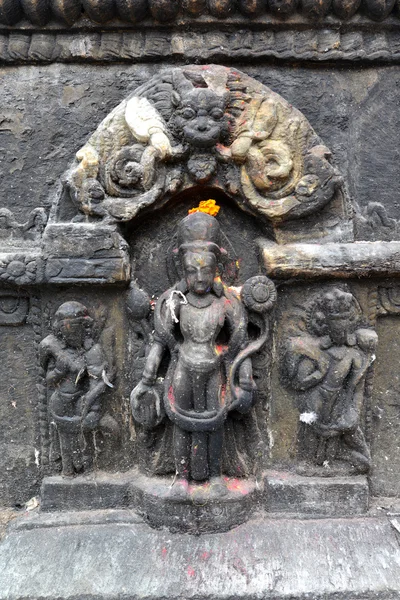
x=203 y=509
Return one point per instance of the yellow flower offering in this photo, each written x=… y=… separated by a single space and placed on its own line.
x=210 y=207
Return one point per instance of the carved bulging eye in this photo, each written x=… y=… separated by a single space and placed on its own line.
x=188 y=113
x=217 y=113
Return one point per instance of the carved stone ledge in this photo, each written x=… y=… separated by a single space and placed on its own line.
x=318 y=496
x=281 y=492
x=310 y=44
x=358 y=259
x=199 y=513
x=95 y=491
x=81 y=252
x=339 y=559
x=69 y=253
x=70 y=12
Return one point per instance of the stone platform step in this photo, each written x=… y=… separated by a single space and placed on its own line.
x=202 y=510
x=104 y=556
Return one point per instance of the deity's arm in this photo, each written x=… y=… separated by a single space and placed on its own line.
x=305 y=364
x=153 y=362
x=236 y=322
x=49 y=351
x=96 y=369
x=166 y=311
x=246 y=375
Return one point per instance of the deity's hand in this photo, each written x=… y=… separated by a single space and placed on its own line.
x=244 y=397
x=146 y=405
x=91 y=421
x=326 y=431
x=159 y=148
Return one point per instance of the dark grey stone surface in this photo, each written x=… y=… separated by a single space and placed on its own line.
x=385 y=478
x=202 y=511
x=338 y=559
x=19 y=446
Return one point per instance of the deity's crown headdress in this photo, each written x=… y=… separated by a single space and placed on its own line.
x=338 y=304
x=200 y=230
x=72 y=311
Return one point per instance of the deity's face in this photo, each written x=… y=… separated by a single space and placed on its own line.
x=200 y=270
x=338 y=329
x=73 y=332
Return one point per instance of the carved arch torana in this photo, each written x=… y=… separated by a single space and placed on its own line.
x=205 y=125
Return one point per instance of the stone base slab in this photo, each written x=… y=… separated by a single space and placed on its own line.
x=273 y=559
x=319 y=496
x=93 y=491
x=201 y=510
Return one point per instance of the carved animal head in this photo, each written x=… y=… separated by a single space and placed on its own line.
x=200 y=117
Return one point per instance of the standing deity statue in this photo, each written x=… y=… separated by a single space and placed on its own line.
x=202 y=323
x=327 y=365
x=76 y=373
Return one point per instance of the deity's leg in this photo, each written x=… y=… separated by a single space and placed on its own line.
x=182 y=386
x=215 y=438
x=182 y=447
x=355 y=450
x=199 y=462
x=66 y=447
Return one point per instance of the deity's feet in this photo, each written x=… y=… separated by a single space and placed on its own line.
x=179 y=489
x=218 y=488
x=217 y=504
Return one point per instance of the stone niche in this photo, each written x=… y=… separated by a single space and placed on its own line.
x=194 y=336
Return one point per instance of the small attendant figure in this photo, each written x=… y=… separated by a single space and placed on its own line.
x=76 y=371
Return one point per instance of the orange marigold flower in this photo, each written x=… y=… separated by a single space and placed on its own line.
x=210 y=207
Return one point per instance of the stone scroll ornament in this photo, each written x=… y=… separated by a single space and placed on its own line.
x=201 y=324
x=203 y=125
x=76 y=375
x=327 y=364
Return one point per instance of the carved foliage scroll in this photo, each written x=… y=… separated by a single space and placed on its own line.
x=203 y=125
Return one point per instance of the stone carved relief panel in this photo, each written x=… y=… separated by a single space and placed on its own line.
x=195 y=366
x=210 y=373
x=79 y=422
x=326 y=355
